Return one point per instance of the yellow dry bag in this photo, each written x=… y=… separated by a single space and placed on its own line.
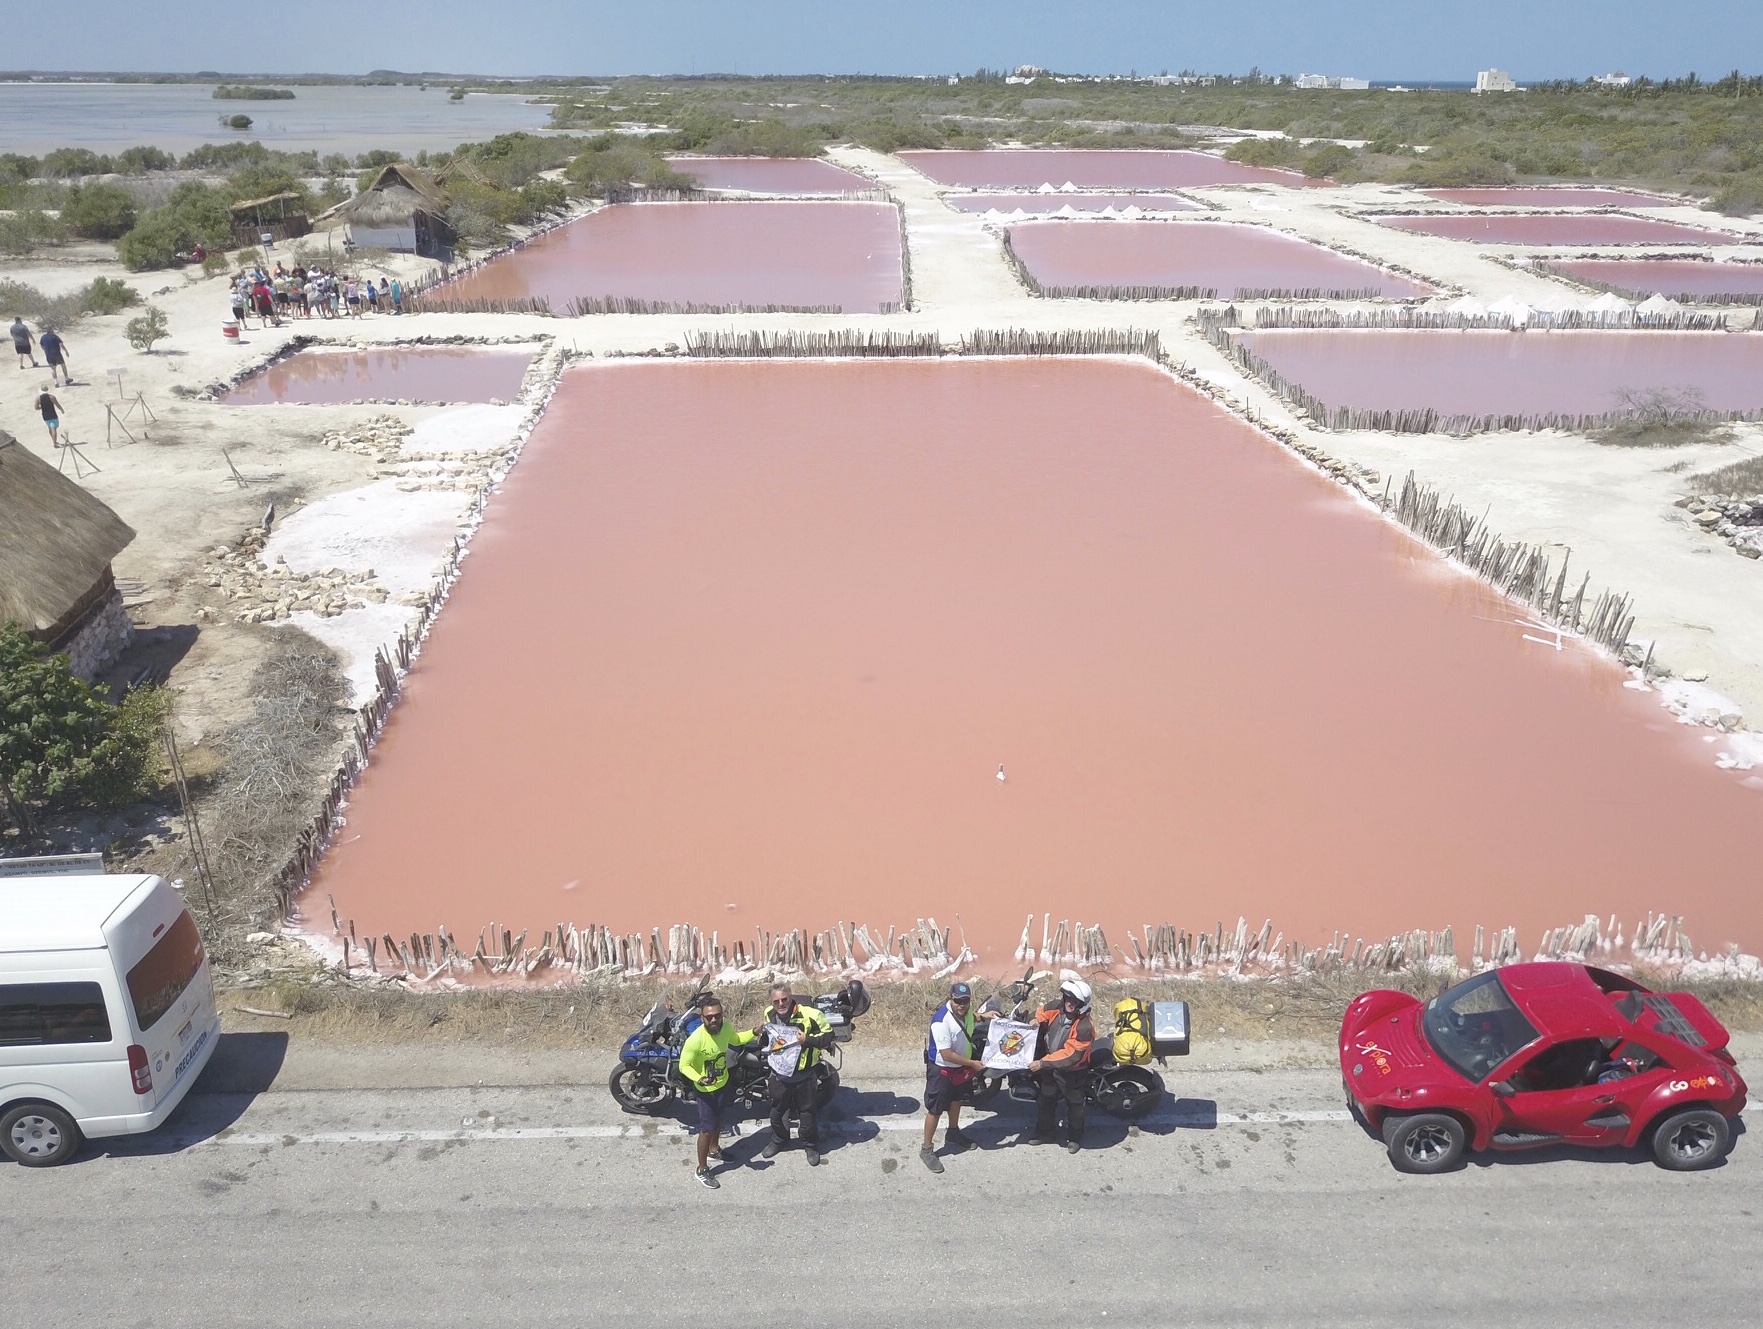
x=1132 y=1032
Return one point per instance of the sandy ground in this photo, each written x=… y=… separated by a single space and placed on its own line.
x=1612 y=508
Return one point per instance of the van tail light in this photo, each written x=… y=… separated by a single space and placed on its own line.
x=139 y=1068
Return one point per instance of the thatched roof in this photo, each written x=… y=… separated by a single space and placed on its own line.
x=56 y=540
x=393 y=196
x=246 y=205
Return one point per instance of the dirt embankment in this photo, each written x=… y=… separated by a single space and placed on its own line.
x=602 y=1015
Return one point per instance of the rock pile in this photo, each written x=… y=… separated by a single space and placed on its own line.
x=1738 y=521
x=259 y=592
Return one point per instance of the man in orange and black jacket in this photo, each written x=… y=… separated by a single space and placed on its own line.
x=1062 y=1070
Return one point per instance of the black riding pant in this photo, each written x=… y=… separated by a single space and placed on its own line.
x=1050 y=1088
x=796 y=1096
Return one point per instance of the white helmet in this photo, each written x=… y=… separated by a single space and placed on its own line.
x=1076 y=987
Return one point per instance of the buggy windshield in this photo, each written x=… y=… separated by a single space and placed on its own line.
x=1474 y=1026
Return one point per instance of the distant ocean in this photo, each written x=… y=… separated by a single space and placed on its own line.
x=175 y=117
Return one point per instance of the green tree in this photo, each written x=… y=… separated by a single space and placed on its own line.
x=1328 y=159
x=146 y=328
x=98 y=211
x=60 y=741
x=194 y=214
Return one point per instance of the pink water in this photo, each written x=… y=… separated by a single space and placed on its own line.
x=1669 y=277
x=424 y=373
x=1553 y=197
x=844 y=255
x=771 y=175
x=1029 y=168
x=1559 y=228
x=1513 y=373
x=1077 y=202
x=744 y=644
x=1221 y=256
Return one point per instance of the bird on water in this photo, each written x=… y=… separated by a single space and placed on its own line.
x=1000 y=770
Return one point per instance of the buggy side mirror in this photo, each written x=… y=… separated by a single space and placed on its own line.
x=1503 y=1089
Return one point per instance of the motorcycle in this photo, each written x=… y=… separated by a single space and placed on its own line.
x=647 y=1076
x=1127 y=1092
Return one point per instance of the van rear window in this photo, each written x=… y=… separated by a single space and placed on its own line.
x=164 y=972
x=32 y=1014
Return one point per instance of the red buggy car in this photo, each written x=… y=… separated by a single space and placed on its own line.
x=1539 y=1054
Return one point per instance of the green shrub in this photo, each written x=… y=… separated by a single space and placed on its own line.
x=15 y=168
x=611 y=163
x=70 y=162
x=107 y=295
x=1457 y=171
x=193 y=215
x=1743 y=197
x=1328 y=159
x=236 y=121
x=24 y=231
x=1265 y=152
x=99 y=212
x=60 y=741
x=146 y=328
x=138 y=161
x=215 y=264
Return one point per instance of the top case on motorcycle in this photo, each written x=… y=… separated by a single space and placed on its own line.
x=1169 y=1028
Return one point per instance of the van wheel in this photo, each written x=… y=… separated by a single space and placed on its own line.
x=38 y=1135
x=1425 y=1142
x=1692 y=1140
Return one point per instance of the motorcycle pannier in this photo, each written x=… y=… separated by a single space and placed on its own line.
x=1169 y=1028
x=1132 y=1032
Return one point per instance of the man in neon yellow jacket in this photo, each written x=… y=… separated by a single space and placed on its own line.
x=703 y=1064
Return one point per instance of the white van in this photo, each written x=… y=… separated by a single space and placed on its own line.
x=106 y=1010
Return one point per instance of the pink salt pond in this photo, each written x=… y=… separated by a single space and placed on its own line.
x=771 y=175
x=1672 y=278
x=1217 y=258
x=1559 y=228
x=418 y=373
x=1487 y=373
x=821 y=255
x=1029 y=168
x=759 y=634
x=1076 y=202
x=1552 y=197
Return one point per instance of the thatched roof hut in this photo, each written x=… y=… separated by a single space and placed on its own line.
x=56 y=545
x=277 y=215
x=401 y=209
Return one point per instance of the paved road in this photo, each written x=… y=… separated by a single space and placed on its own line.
x=1250 y=1199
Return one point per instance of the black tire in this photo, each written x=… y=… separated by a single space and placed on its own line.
x=1424 y=1142
x=826 y=1084
x=1691 y=1140
x=1129 y=1092
x=39 y=1135
x=638 y=1088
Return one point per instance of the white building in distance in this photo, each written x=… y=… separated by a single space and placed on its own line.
x=1324 y=81
x=1616 y=80
x=1495 y=80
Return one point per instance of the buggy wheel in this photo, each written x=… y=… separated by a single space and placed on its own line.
x=1692 y=1140
x=826 y=1084
x=1424 y=1142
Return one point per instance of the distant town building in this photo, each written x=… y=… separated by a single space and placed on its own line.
x=1495 y=80
x=1616 y=80
x=1324 y=81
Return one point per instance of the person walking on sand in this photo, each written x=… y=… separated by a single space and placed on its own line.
x=795 y=1035
x=21 y=342
x=55 y=355
x=703 y=1064
x=51 y=410
x=397 y=296
x=1063 y=1069
x=949 y=1064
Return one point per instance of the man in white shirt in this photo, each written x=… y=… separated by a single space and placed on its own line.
x=949 y=1065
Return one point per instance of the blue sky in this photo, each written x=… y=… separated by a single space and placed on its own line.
x=1379 y=39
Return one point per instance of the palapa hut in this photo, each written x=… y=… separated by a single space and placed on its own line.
x=277 y=216
x=56 y=545
x=401 y=209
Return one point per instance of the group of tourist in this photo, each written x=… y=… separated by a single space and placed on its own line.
x=54 y=351
x=794 y=1035
x=302 y=292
